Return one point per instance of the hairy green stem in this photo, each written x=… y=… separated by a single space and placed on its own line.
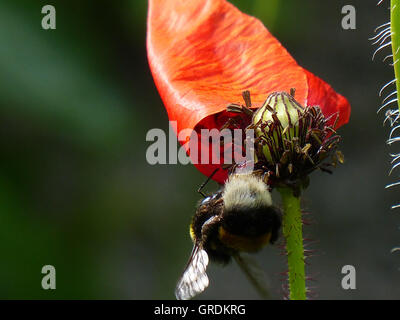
x=293 y=233
x=395 y=29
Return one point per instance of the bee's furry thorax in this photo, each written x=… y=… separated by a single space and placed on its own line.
x=246 y=190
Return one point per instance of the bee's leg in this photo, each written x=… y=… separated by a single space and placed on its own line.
x=254 y=273
x=205 y=183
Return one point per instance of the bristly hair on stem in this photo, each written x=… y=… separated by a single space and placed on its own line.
x=388 y=36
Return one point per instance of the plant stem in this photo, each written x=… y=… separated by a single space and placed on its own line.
x=293 y=233
x=395 y=30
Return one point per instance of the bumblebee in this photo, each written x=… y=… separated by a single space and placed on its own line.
x=238 y=218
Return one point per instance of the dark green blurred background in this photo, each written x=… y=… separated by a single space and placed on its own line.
x=76 y=191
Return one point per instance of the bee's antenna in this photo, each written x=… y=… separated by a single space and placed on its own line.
x=205 y=183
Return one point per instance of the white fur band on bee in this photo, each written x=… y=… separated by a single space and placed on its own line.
x=246 y=190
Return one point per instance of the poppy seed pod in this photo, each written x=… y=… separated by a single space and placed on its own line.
x=292 y=140
x=278 y=108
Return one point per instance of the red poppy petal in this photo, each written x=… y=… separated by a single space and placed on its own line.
x=204 y=53
x=332 y=104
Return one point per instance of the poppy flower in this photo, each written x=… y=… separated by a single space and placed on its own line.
x=204 y=53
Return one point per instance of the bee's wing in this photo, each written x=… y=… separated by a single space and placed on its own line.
x=194 y=279
x=254 y=273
